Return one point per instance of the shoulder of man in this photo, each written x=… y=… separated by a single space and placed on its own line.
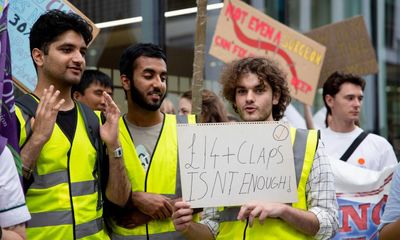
x=27 y=103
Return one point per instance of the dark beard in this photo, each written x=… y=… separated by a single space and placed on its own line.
x=138 y=98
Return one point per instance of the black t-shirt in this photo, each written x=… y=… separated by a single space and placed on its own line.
x=67 y=121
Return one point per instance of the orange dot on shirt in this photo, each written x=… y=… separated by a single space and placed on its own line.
x=361 y=161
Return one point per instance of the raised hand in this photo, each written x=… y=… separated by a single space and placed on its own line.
x=109 y=130
x=46 y=115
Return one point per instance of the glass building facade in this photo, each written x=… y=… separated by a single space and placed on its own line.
x=172 y=24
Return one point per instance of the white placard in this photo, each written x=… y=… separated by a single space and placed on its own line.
x=229 y=164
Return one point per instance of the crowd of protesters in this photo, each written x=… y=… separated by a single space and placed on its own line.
x=113 y=175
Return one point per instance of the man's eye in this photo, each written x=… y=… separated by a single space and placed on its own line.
x=66 y=50
x=259 y=90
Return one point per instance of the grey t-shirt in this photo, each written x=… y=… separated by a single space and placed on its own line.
x=144 y=139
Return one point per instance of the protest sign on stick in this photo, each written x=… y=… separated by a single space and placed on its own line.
x=349 y=48
x=244 y=31
x=229 y=164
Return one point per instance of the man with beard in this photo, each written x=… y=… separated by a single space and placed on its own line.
x=148 y=136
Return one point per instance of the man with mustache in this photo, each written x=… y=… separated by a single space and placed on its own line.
x=149 y=140
x=343 y=98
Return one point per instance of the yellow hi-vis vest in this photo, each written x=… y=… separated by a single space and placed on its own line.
x=305 y=143
x=162 y=177
x=63 y=199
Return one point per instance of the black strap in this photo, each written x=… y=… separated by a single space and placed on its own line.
x=93 y=129
x=28 y=105
x=92 y=124
x=354 y=146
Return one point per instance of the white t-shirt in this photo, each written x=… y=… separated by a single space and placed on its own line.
x=295 y=119
x=13 y=210
x=374 y=152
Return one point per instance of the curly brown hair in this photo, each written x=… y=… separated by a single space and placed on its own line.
x=267 y=71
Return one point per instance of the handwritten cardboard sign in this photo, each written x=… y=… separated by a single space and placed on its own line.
x=243 y=31
x=21 y=16
x=231 y=164
x=349 y=48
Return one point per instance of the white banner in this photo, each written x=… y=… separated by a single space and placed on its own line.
x=362 y=195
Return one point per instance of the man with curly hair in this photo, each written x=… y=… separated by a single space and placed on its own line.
x=258 y=91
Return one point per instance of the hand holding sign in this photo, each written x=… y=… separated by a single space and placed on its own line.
x=260 y=210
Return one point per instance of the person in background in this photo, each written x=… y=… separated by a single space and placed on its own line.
x=212 y=108
x=13 y=210
x=167 y=107
x=343 y=97
x=91 y=87
x=61 y=140
x=258 y=91
x=149 y=137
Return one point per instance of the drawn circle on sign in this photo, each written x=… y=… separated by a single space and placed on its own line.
x=281 y=133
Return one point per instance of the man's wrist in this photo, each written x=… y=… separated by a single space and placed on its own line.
x=115 y=150
x=117 y=153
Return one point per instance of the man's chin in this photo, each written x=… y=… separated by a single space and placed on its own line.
x=249 y=118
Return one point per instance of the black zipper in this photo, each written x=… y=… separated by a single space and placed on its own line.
x=70 y=194
x=148 y=170
x=245 y=229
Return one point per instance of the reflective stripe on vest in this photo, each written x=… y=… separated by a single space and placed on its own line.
x=65 y=217
x=162 y=176
x=53 y=179
x=304 y=147
x=64 y=178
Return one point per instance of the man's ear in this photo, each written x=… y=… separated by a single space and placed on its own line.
x=125 y=82
x=77 y=95
x=37 y=56
x=329 y=100
x=275 y=98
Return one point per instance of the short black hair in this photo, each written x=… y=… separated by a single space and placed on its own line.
x=127 y=61
x=52 y=24
x=335 y=81
x=92 y=76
